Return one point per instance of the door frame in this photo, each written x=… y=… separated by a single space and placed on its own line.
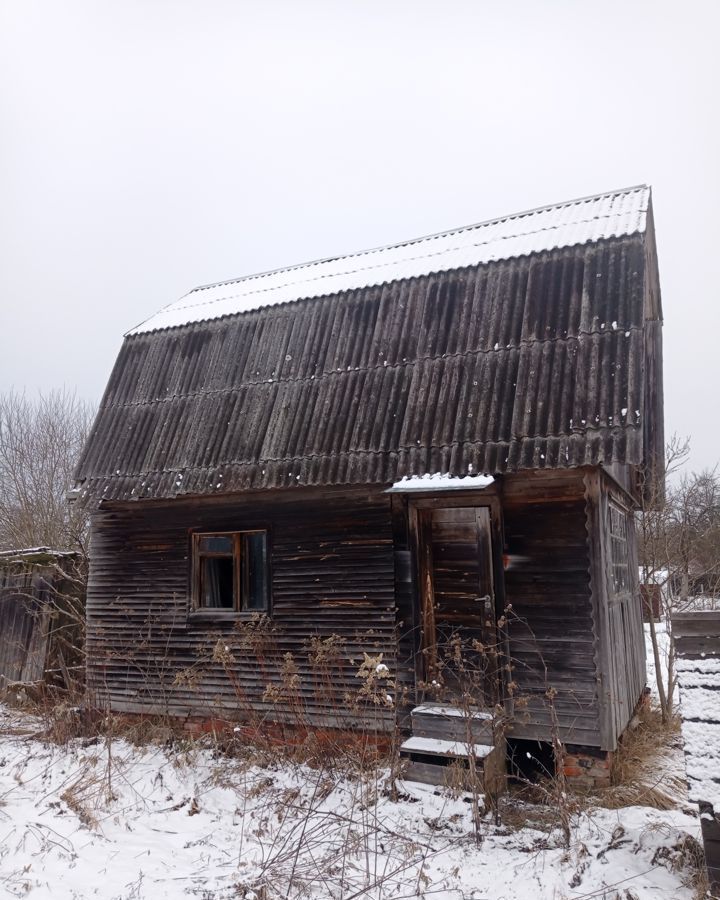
x=418 y=507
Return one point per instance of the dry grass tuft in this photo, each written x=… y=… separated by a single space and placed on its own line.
x=528 y=806
x=688 y=858
x=648 y=767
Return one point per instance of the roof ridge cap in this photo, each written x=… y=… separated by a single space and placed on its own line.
x=620 y=213
x=495 y=220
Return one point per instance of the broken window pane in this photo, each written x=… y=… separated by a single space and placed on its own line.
x=216 y=580
x=231 y=571
x=216 y=543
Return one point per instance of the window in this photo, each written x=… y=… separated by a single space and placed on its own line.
x=619 y=549
x=230 y=571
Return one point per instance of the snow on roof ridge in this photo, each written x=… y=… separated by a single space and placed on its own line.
x=35 y=551
x=335 y=274
x=461 y=229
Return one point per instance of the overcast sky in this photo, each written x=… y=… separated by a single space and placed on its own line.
x=149 y=146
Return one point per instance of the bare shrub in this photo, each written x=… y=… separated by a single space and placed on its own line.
x=40 y=441
x=679 y=552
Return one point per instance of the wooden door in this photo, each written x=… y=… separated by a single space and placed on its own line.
x=461 y=640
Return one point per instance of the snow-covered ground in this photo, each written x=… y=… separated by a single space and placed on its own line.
x=663 y=641
x=98 y=821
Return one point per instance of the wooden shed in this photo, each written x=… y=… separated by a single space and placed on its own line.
x=430 y=451
x=697 y=651
x=40 y=615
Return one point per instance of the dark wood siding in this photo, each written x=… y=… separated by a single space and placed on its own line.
x=24 y=621
x=547 y=583
x=333 y=575
x=41 y=615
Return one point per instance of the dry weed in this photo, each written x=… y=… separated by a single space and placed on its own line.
x=645 y=770
x=687 y=857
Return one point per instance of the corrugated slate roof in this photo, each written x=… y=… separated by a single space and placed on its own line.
x=531 y=362
x=563 y=225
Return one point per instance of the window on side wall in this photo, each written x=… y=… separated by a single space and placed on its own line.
x=230 y=572
x=619 y=556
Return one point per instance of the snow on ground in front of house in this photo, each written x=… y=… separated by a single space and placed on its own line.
x=88 y=820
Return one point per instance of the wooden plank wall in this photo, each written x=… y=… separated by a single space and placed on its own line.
x=618 y=617
x=333 y=576
x=342 y=566
x=553 y=640
x=24 y=618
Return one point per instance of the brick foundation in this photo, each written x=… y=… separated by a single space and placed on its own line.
x=586 y=768
x=274 y=734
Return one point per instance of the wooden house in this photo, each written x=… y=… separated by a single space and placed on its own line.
x=655 y=592
x=398 y=452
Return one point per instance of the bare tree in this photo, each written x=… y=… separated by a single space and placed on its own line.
x=40 y=440
x=679 y=539
x=694 y=533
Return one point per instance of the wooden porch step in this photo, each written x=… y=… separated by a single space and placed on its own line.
x=448 y=749
x=426 y=773
x=428 y=760
x=450 y=745
x=450 y=723
x=442 y=762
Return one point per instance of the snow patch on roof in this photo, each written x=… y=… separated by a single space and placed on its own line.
x=440 y=482
x=702 y=758
x=567 y=224
x=709 y=665
x=35 y=551
x=699 y=682
x=701 y=703
x=659 y=576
